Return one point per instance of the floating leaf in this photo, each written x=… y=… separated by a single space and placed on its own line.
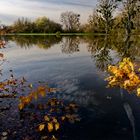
x=57 y=126
x=41 y=127
x=42 y=91
x=50 y=127
x=21 y=106
x=123 y=75
x=30 y=86
x=54 y=120
x=53 y=138
x=63 y=118
x=138 y=91
x=46 y=118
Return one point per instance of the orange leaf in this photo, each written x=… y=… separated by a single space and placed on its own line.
x=42 y=91
x=21 y=106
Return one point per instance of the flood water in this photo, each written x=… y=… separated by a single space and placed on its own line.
x=77 y=66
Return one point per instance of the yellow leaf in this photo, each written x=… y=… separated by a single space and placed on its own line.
x=53 y=138
x=30 y=86
x=57 y=126
x=50 y=127
x=35 y=95
x=138 y=91
x=41 y=127
x=46 y=118
x=52 y=90
x=63 y=118
x=42 y=91
x=54 y=120
x=21 y=106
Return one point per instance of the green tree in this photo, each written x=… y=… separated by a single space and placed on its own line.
x=130 y=9
x=22 y=25
x=106 y=9
x=95 y=23
x=41 y=24
x=45 y=25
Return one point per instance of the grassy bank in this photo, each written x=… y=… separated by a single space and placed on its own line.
x=56 y=34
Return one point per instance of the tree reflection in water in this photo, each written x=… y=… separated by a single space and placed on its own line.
x=44 y=42
x=70 y=45
x=101 y=48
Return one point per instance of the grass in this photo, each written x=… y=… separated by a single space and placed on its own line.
x=56 y=34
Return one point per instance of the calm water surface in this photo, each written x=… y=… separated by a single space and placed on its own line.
x=77 y=66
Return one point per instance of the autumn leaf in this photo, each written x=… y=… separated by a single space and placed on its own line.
x=30 y=86
x=46 y=118
x=57 y=126
x=41 y=127
x=138 y=91
x=124 y=76
x=21 y=106
x=50 y=127
x=53 y=138
x=63 y=118
x=52 y=90
x=42 y=91
x=54 y=120
x=35 y=95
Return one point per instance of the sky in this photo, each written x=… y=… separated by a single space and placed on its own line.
x=10 y=10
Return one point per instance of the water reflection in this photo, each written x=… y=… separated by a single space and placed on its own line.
x=128 y=46
x=70 y=45
x=103 y=50
x=40 y=41
x=80 y=76
x=100 y=49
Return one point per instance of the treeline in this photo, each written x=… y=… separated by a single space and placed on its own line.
x=108 y=17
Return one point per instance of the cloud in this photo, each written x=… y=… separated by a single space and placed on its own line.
x=13 y=9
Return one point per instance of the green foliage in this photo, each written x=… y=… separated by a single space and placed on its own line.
x=95 y=23
x=40 y=25
x=106 y=9
x=45 y=25
x=106 y=18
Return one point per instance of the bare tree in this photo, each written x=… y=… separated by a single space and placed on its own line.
x=70 y=21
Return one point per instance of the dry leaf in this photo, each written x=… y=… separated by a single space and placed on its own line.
x=57 y=126
x=50 y=127
x=41 y=127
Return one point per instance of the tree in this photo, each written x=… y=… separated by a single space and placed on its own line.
x=44 y=24
x=95 y=23
x=41 y=24
x=70 y=21
x=22 y=25
x=130 y=9
x=106 y=9
x=137 y=19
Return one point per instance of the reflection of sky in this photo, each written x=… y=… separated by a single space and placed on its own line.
x=12 y=9
x=76 y=74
